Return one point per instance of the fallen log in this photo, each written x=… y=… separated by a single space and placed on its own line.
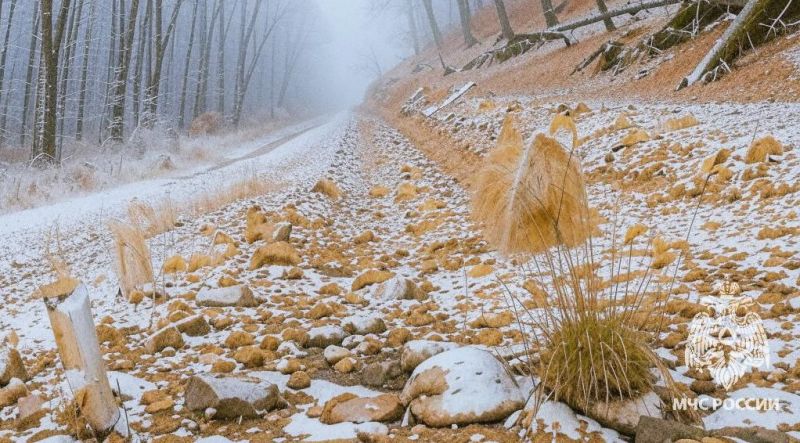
x=520 y=44
x=757 y=23
x=611 y=14
x=71 y=319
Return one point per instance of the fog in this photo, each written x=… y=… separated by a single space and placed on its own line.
x=358 y=39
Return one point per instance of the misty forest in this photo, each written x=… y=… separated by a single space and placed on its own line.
x=399 y=220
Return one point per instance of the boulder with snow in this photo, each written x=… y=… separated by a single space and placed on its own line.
x=282 y=231
x=194 y=326
x=324 y=336
x=168 y=337
x=364 y=324
x=623 y=415
x=397 y=288
x=333 y=354
x=461 y=387
x=11 y=366
x=417 y=351
x=230 y=397
x=239 y=295
x=351 y=408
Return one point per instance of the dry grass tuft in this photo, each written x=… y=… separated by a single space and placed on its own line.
x=635 y=136
x=710 y=163
x=622 y=122
x=687 y=121
x=257 y=226
x=207 y=123
x=379 y=192
x=328 y=188
x=133 y=260
x=531 y=198
x=370 y=277
x=278 y=253
x=565 y=122
x=405 y=191
x=762 y=148
x=174 y=264
x=154 y=220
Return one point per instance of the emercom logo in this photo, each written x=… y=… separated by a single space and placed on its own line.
x=728 y=338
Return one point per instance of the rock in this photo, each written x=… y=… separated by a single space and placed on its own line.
x=623 y=415
x=30 y=412
x=397 y=288
x=346 y=365
x=12 y=392
x=657 y=430
x=324 y=336
x=11 y=366
x=349 y=408
x=282 y=231
x=333 y=354
x=194 y=326
x=377 y=374
x=232 y=397
x=417 y=351
x=239 y=295
x=299 y=380
x=461 y=387
x=159 y=406
x=364 y=324
x=168 y=337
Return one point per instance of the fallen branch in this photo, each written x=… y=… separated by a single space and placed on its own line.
x=520 y=44
x=611 y=14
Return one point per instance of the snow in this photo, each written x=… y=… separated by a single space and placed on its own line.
x=788 y=414
x=559 y=418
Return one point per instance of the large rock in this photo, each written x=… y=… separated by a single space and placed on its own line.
x=657 y=430
x=397 y=288
x=624 y=415
x=364 y=324
x=194 y=326
x=239 y=295
x=168 y=337
x=417 y=351
x=349 y=408
x=324 y=336
x=462 y=386
x=232 y=397
x=11 y=366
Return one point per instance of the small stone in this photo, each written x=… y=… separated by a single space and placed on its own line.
x=348 y=408
x=314 y=411
x=299 y=380
x=333 y=354
x=169 y=337
x=240 y=295
x=161 y=405
x=345 y=365
x=377 y=374
x=325 y=336
x=364 y=324
x=282 y=231
x=227 y=397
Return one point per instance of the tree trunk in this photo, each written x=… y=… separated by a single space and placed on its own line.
x=121 y=79
x=549 y=14
x=74 y=330
x=87 y=44
x=502 y=17
x=412 y=26
x=181 y=113
x=29 y=75
x=160 y=42
x=437 y=35
x=601 y=6
x=72 y=38
x=51 y=46
x=223 y=33
x=466 y=17
x=3 y=68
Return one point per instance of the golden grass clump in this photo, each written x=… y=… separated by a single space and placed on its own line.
x=635 y=136
x=328 y=188
x=594 y=358
x=207 y=123
x=379 y=192
x=762 y=148
x=405 y=191
x=154 y=219
x=133 y=260
x=581 y=108
x=622 y=122
x=687 y=121
x=563 y=121
x=634 y=232
x=174 y=264
x=486 y=105
x=197 y=261
x=518 y=194
x=256 y=226
x=370 y=277
x=717 y=159
x=278 y=253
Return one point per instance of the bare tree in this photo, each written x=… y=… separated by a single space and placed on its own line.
x=3 y=59
x=502 y=17
x=29 y=75
x=121 y=79
x=87 y=44
x=466 y=17
x=52 y=39
x=549 y=13
x=412 y=25
x=160 y=40
x=601 y=5
x=437 y=35
x=182 y=112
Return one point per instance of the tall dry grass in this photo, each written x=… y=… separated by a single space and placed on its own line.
x=594 y=334
x=133 y=261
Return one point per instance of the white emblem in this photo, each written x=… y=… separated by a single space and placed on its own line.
x=730 y=340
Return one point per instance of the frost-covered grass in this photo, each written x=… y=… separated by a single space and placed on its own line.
x=148 y=153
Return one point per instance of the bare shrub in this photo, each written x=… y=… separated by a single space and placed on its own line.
x=207 y=123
